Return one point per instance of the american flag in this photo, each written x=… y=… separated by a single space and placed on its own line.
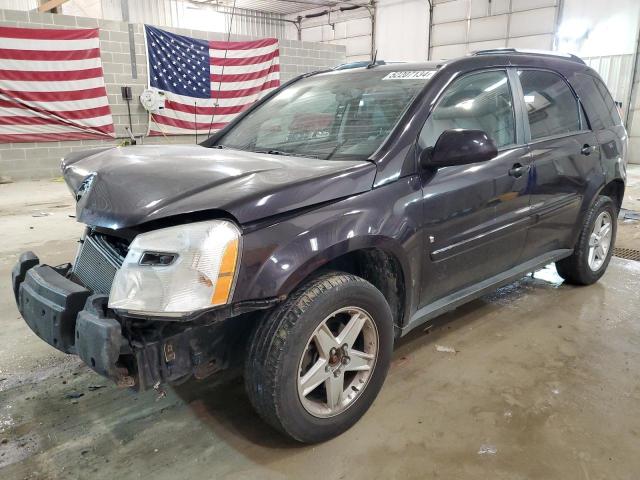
x=52 y=86
x=201 y=78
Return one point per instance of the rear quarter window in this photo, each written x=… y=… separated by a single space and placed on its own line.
x=598 y=111
x=608 y=99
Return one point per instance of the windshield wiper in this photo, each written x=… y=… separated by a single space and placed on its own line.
x=289 y=154
x=273 y=152
x=220 y=146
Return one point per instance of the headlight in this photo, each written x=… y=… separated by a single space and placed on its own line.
x=178 y=270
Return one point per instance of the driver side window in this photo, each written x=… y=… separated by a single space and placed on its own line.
x=479 y=101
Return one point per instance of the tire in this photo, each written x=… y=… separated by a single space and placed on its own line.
x=576 y=269
x=281 y=343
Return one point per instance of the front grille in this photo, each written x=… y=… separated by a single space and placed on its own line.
x=97 y=262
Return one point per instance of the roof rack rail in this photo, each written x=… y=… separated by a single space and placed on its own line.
x=507 y=51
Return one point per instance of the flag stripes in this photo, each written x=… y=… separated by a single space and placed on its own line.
x=52 y=86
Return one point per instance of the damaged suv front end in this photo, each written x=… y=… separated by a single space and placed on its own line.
x=141 y=313
x=151 y=296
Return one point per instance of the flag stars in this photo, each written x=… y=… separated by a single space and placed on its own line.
x=178 y=65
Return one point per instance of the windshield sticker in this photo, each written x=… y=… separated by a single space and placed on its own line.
x=410 y=75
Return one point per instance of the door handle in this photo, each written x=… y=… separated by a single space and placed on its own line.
x=517 y=170
x=587 y=149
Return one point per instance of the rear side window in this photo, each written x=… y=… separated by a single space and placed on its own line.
x=608 y=99
x=601 y=109
x=480 y=101
x=551 y=106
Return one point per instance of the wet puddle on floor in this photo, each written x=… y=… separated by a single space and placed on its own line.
x=546 y=278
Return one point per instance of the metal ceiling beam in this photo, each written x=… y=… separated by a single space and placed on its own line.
x=310 y=3
x=217 y=4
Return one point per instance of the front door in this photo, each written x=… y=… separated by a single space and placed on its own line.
x=475 y=216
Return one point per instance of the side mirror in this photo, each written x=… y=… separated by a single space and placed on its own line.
x=459 y=147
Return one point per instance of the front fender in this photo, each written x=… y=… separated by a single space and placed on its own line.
x=276 y=259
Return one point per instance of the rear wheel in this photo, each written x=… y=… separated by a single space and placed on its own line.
x=594 y=247
x=317 y=362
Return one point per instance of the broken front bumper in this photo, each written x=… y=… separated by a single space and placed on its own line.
x=66 y=316
x=72 y=319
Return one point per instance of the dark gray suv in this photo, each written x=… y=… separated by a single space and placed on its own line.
x=332 y=217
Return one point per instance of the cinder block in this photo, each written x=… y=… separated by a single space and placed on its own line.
x=48 y=162
x=15 y=154
x=119 y=37
x=124 y=58
x=42 y=18
x=106 y=46
x=112 y=25
x=65 y=20
x=37 y=153
x=106 y=57
x=87 y=22
x=113 y=68
x=16 y=16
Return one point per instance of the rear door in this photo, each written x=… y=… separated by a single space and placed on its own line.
x=564 y=156
x=474 y=215
x=604 y=119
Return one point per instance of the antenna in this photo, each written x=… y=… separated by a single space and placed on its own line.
x=216 y=105
x=373 y=60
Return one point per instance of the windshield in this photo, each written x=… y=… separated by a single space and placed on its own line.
x=334 y=115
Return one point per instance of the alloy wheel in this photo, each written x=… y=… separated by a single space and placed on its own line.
x=337 y=362
x=600 y=241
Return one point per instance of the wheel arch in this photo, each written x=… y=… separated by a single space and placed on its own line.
x=614 y=189
x=376 y=259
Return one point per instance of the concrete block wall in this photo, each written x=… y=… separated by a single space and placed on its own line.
x=20 y=161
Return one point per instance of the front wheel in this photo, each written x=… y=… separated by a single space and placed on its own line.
x=594 y=248
x=317 y=362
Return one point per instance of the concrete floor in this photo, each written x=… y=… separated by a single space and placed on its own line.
x=545 y=384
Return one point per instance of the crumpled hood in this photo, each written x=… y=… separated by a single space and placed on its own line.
x=128 y=186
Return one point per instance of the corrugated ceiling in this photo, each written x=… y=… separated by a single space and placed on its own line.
x=285 y=7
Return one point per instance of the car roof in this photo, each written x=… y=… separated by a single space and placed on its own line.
x=482 y=58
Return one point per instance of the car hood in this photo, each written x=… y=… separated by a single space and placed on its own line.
x=128 y=186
